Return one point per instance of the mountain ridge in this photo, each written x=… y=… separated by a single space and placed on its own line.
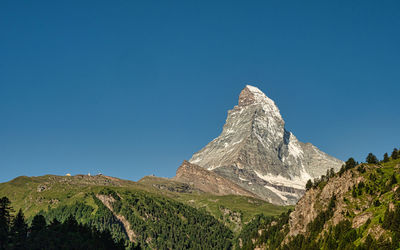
x=255 y=151
x=208 y=181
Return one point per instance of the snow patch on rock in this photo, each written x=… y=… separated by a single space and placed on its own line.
x=298 y=182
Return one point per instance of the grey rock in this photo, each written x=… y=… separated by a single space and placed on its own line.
x=256 y=152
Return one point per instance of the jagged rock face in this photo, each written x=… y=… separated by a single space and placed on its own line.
x=317 y=200
x=208 y=181
x=255 y=151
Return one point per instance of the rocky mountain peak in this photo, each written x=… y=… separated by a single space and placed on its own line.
x=256 y=152
x=251 y=95
x=247 y=96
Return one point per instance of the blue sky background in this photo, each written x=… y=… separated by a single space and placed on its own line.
x=132 y=88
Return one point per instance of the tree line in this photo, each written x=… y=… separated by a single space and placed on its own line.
x=15 y=233
x=349 y=164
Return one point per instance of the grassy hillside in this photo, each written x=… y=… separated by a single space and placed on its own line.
x=154 y=211
x=357 y=208
x=233 y=210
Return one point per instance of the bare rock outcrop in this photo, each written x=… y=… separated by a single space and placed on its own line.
x=107 y=201
x=208 y=181
x=316 y=200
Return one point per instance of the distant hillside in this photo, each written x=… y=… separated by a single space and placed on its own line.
x=154 y=212
x=356 y=208
x=209 y=181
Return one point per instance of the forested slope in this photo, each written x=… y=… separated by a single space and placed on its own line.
x=356 y=208
x=157 y=213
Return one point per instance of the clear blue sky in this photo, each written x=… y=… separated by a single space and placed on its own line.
x=132 y=88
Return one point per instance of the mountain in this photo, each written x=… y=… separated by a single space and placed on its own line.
x=256 y=152
x=208 y=181
x=356 y=208
x=155 y=212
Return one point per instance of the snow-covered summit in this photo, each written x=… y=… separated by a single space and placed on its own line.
x=255 y=151
x=251 y=95
x=254 y=89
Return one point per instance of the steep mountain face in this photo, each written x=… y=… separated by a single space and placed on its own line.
x=208 y=181
x=256 y=152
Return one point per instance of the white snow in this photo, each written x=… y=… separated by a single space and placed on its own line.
x=229 y=131
x=213 y=167
x=198 y=159
x=278 y=192
x=234 y=143
x=254 y=89
x=267 y=104
x=242 y=179
x=294 y=147
x=298 y=182
x=260 y=139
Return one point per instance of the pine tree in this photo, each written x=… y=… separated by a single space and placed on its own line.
x=385 y=157
x=393 y=180
x=5 y=218
x=387 y=219
x=38 y=224
x=371 y=158
x=350 y=163
x=395 y=154
x=19 y=230
x=309 y=185
x=331 y=173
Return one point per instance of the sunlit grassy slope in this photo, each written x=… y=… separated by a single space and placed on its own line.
x=33 y=194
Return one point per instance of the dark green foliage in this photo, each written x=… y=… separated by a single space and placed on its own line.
x=318 y=223
x=322 y=181
x=102 y=220
x=371 y=158
x=5 y=219
x=396 y=195
x=342 y=170
x=250 y=231
x=165 y=224
x=71 y=235
x=350 y=163
x=273 y=232
x=385 y=157
x=18 y=231
x=395 y=154
x=391 y=219
x=340 y=236
x=331 y=173
x=354 y=192
x=393 y=179
x=157 y=222
x=372 y=177
x=361 y=169
x=38 y=224
x=309 y=185
x=320 y=234
x=67 y=235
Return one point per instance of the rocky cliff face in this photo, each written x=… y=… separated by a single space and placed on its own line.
x=358 y=207
x=208 y=181
x=256 y=152
x=317 y=200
